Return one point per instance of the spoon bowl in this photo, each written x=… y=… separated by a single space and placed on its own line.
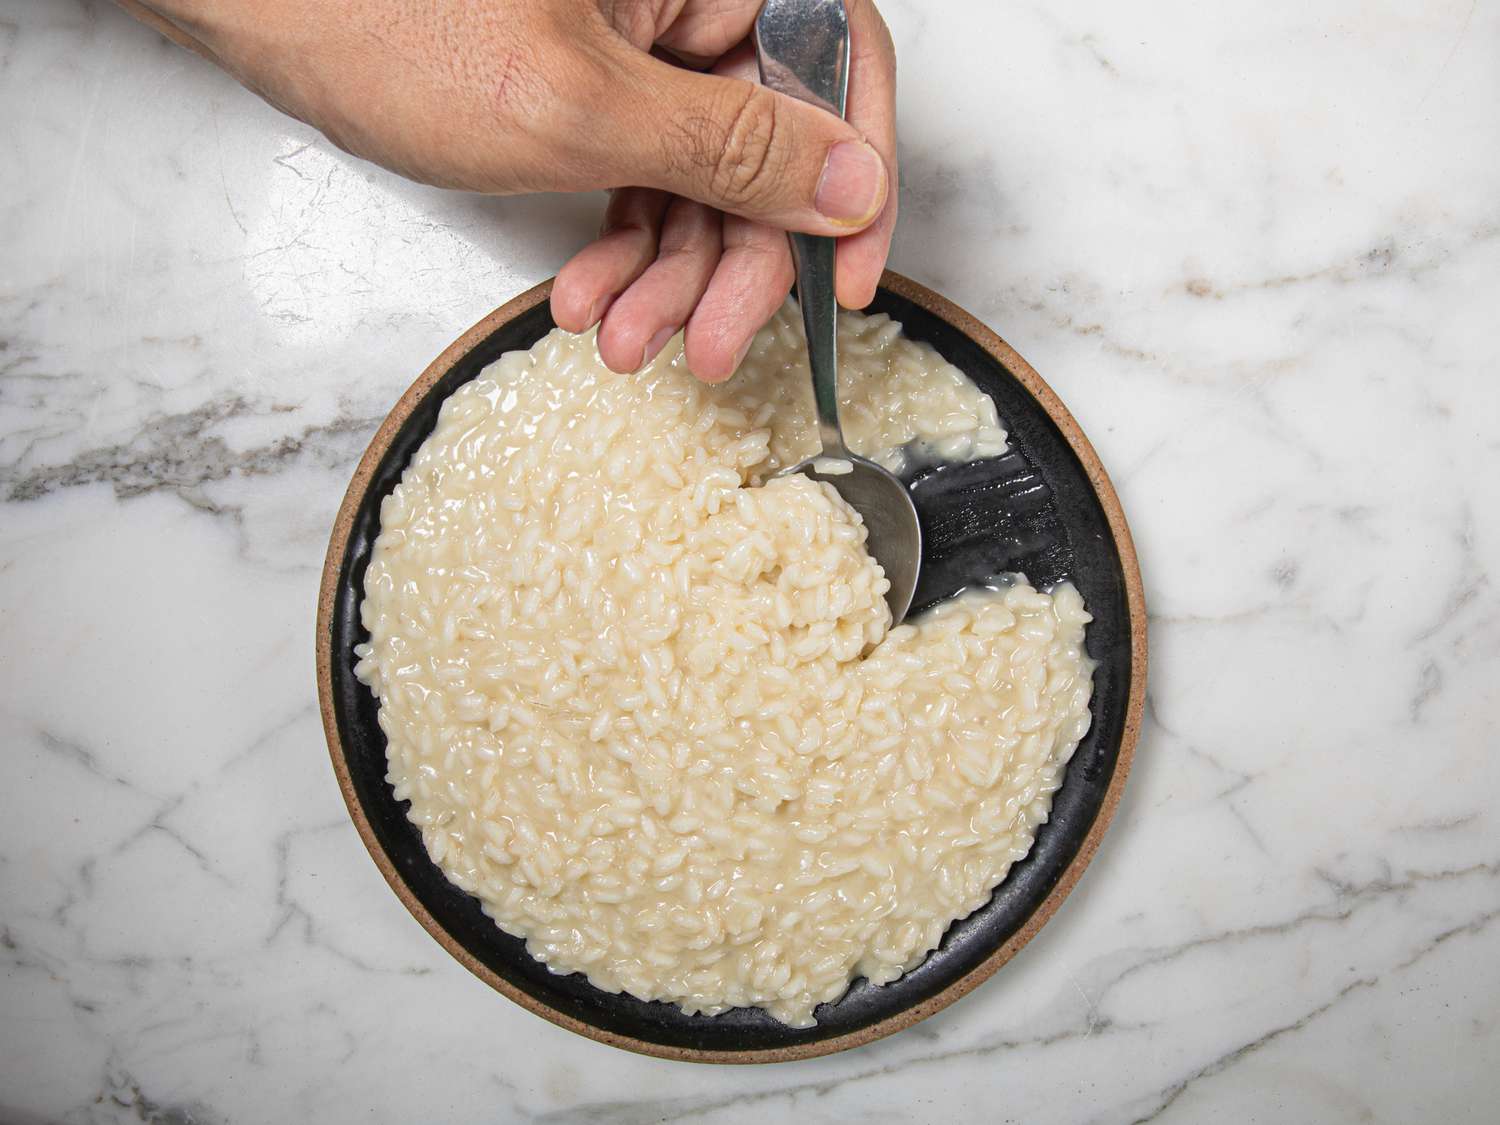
x=894 y=537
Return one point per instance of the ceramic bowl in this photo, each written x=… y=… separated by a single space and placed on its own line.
x=1045 y=509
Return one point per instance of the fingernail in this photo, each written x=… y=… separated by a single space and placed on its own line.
x=739 y=356
x=654 y=347
x=852 y=189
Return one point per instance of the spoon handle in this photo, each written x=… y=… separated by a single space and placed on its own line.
x=814 y=259
x=802 y=47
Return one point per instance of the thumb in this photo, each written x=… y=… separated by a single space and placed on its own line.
x=744 y=149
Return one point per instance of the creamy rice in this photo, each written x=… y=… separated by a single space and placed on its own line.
x=646 y=702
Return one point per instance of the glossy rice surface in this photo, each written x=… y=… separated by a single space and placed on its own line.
x=645 y=700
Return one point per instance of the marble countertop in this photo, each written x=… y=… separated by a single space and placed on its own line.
x=1256 y=249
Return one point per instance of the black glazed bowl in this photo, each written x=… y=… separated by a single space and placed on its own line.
x=1045 y=509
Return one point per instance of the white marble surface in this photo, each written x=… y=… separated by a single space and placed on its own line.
x=1256 y=248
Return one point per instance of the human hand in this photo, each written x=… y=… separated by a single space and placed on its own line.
x=509 y=96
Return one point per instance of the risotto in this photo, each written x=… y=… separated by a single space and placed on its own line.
x=645 y=699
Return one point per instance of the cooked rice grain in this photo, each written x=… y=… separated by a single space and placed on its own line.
x=646 y=703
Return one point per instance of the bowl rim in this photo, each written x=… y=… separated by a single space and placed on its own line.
x=1008 y=358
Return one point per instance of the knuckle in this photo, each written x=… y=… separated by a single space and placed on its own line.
x=874 y=44
x=885 y=43
x=749 y=161
x=785 y=274
x=636 y=20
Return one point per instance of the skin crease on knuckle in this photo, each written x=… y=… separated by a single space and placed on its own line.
x=665 y=294
x=746 y=160
x=704 y=29
x=640 y=21
x=750 y=283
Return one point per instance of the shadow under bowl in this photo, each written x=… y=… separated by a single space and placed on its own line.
x=1045 y=509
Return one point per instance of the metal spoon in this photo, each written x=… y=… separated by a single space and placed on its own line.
x=803 y=50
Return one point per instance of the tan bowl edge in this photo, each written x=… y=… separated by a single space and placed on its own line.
x=1135 y=599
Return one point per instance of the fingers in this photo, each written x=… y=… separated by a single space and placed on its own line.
x=707 y=26
x=598 y=273
x=871 y=109
x=770 y=162
x=652 y=310
x=706 y=29
x=739 y=147
x=753 y=278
